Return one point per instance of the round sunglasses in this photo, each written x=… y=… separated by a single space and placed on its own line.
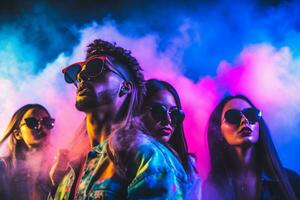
x=33 y=123
x=159 y=112
x=234 y=116
x=94 y=66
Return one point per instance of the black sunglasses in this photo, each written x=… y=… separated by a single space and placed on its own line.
x=33 y=123
x=234 y=116
x=159 y=112
x=93 y=68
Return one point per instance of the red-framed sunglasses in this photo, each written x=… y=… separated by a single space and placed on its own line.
x=94 y=66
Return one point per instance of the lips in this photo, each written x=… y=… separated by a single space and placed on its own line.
x=40 y=134
x=245 y=131
x=83 y=90
x=166 y=130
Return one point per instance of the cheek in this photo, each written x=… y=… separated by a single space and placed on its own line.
x=26 y=133
x=111 y=83
x=107 y=91
x=47 y=131
x=149 y=122
x=256 y=132
x=173 y=128
x=228 y=132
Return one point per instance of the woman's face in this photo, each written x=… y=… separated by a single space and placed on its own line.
x=34 y=138
x=242 y=133
x=157 y=116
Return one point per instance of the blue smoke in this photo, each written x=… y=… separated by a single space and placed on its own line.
x=34 y=34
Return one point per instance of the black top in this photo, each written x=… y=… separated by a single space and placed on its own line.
x=269 y=188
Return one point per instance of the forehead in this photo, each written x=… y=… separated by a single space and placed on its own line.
x=238 y=104
x=163 y=97
x=35 y=112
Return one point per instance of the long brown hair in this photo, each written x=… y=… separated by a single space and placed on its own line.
x=177 y=141
x=221 y=156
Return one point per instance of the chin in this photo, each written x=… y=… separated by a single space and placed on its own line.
x=165 y=138
x=36 y=146
x=85 y=104
x=247 y=143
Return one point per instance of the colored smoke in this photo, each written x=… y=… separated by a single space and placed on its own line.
x=204 y=53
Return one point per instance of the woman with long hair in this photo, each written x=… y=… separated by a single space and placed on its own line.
x=163 y=119
x=26 y=138
x=244 y=162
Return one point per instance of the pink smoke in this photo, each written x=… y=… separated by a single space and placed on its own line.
x=265 y=74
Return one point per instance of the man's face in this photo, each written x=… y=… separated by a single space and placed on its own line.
x=98 y=91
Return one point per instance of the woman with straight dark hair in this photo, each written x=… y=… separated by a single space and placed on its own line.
x=244 y=162
x=163 y=118
x=26 y=137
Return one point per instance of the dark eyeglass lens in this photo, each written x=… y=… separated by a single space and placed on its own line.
x=252 y=115
x=233 y=116
x=94 y=67
x=71 y=73
x=48 y=122
x=174 y=115
x=31 y=122
x=158 y=112
x=179 y=115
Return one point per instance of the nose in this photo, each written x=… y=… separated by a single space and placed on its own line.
x=81 y=76
x=40 y=126
x=41 y=131
x=244 y=120
x=167 y=118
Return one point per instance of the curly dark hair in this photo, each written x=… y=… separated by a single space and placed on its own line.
x=130 y=64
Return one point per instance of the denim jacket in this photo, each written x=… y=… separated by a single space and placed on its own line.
x=153 y=172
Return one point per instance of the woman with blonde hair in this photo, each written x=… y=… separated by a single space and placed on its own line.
x=26 y=138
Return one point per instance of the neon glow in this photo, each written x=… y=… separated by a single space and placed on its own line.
x=205 y=54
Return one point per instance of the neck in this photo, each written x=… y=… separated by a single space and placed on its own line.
x=98 y=127
x=246 y=159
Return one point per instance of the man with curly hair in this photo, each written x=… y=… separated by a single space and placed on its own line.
x=123 y=163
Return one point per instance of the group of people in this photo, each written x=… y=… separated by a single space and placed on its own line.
x=137 y=145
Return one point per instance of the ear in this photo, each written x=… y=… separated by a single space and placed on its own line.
x=17 y=134
x=126 y=88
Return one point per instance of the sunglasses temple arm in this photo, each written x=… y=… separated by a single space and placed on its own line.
x=119 y=74
x=75 y=84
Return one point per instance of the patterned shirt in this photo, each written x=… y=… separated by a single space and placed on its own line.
x=153 y=172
